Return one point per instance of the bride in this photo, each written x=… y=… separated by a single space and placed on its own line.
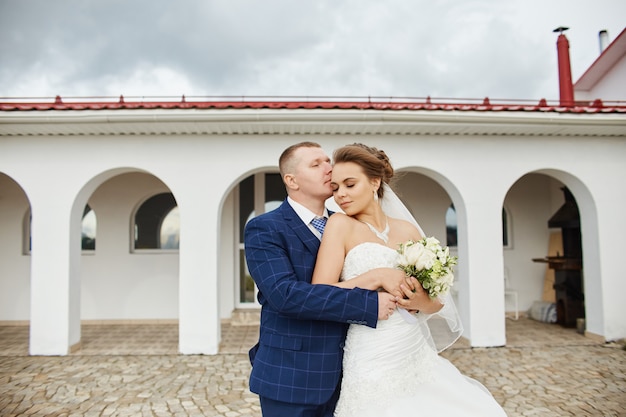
x=394 y=369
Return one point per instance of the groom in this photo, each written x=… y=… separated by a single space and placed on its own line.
x=296 y=365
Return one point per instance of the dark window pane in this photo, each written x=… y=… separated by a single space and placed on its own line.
x=505 y=228
x=89 y=227
x=149 y=220
x=451 y=226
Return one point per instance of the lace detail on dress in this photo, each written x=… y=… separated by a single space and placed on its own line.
x=366 y=256
x=375 y=374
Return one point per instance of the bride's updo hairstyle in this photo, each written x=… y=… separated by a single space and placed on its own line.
x=374 y=162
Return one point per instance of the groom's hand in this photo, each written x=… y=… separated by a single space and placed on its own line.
x=386 y=305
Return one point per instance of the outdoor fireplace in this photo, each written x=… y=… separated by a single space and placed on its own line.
x=568 y=280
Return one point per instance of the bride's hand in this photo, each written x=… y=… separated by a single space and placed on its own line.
x=392 y=280
x=415 y=298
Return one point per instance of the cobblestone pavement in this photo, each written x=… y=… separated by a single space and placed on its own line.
x=134 y=370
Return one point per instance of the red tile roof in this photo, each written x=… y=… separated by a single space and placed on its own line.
x=391 y=104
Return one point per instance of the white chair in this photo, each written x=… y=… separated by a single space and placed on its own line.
x=510 y=292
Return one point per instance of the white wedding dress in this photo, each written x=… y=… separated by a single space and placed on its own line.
x=392 y=370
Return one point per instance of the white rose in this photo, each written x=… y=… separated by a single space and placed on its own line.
x=412 y=253
x=432 y=243
x=448 y=279
x=421 y=257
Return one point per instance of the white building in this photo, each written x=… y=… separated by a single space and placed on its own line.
x=206 y=167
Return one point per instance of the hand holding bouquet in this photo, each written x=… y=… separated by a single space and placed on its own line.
x=431 y=264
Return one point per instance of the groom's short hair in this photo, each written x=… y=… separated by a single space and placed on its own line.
x=287 y=163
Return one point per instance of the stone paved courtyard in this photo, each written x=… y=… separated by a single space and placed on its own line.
x=134 y=370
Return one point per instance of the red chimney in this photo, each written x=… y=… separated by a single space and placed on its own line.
x=566 y=87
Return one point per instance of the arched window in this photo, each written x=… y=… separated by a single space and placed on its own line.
x=88 y=229
x=451 y=227
x=157 y=224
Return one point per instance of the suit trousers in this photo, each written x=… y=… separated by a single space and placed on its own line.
x=273 y=408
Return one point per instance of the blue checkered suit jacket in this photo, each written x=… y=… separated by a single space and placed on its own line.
x=303 y=326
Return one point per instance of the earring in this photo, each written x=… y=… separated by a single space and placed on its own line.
x=376 y=195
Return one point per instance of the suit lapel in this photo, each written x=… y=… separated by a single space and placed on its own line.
x=296 y=224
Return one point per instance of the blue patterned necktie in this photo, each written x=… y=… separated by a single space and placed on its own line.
x=319 y=223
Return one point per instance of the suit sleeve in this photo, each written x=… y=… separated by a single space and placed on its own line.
x=282 y=271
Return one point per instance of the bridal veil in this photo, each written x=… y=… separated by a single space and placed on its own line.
x=443 y=328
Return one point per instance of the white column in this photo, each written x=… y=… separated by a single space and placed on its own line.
x=603 y=264
x=199 y=325
x=55 y=290
x=485 y=316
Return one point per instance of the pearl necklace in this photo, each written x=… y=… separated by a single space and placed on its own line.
x=384 y=235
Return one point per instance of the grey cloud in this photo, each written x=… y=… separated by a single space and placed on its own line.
x=440 y=48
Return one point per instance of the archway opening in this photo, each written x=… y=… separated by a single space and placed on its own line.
x=130 y=279
x=15 y=270
x=536 y=255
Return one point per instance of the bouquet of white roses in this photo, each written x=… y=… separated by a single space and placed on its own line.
x=430 y=263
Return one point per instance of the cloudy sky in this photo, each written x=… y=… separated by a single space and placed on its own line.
x=503 y=49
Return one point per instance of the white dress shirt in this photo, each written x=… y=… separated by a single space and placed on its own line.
x=306 y=215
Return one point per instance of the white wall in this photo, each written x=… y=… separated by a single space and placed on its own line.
x=611 y=87
x=479 y=173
